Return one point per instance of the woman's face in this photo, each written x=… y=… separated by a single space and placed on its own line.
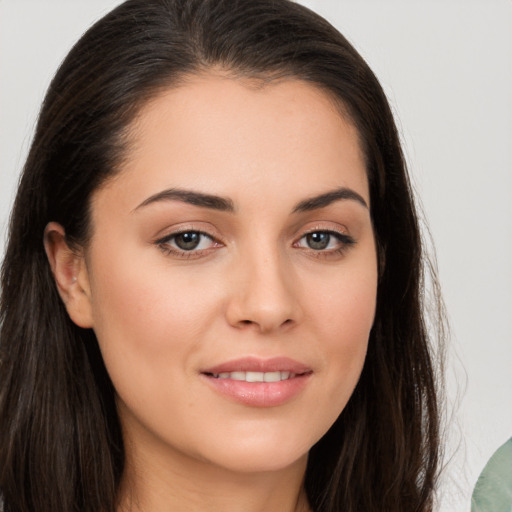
x=235 y=245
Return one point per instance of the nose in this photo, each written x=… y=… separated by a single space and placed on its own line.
x=264 y=294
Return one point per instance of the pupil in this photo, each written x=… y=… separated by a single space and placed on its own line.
x=187 y=241
x=318 y=240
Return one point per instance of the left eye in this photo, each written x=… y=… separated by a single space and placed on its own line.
x=188 y=241
x=323 y=240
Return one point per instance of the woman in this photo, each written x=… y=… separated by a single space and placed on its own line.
x=226 y=311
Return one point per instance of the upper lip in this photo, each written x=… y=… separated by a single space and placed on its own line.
x=255 y=364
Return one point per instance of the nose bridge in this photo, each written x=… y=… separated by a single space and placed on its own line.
x=264 y=294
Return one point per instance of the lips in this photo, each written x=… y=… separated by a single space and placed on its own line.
x=255 y=376
x=253 y=364
x=259 y=382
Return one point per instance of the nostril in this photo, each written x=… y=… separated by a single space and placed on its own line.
x=288 y=321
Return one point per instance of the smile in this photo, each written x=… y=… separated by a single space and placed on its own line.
x=255 y=376
x=259 y=382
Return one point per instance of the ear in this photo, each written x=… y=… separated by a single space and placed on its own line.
x=70 y=273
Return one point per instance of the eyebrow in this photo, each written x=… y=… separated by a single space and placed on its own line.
x=225 y=204
x=323 y=200
x=188 y=196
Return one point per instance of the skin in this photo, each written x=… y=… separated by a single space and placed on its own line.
x=254 y=287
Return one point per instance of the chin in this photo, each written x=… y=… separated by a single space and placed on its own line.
x=252 y=463
x=259 y=454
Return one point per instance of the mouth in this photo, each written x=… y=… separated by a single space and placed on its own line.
x=251 y=366
x=259 y=382
x=276 y=376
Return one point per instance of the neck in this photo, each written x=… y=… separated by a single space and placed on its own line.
x=164 y=482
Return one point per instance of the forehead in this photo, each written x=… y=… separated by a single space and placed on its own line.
x=221 y=134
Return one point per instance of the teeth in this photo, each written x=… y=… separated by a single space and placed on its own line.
x=255 y=376
x=272 y=376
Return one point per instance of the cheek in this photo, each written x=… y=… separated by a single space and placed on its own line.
x=342 y=319
x=140 y=294
x=344 y=307
x=149 y=325
x=144 y=317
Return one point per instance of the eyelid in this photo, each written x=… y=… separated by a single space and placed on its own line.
x=327 y=227
x=175 y=234
x=341 y=236
x=200 y=227
x=163 y=241
x=346 y=241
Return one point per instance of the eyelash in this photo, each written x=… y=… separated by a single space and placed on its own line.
x=163 y=244
x=344 y=240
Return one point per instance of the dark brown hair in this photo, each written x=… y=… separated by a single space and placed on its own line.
x=61 y=447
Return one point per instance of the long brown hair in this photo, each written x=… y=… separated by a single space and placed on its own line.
x=61 y=447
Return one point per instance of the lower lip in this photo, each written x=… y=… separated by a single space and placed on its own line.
x=260 y=394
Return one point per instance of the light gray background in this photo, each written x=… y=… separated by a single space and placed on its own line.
x=447 y=69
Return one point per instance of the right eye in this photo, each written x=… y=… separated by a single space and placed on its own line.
x=187 y=243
